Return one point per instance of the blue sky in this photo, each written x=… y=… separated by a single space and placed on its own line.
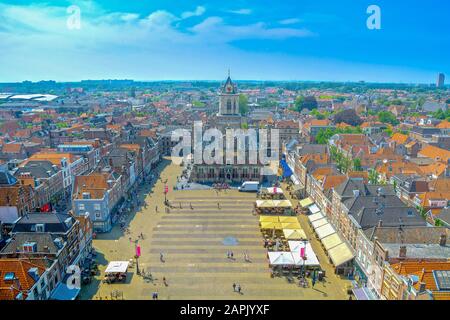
x=259 y=39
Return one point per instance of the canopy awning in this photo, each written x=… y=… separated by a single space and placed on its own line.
x=340 y=254
x=306 y=202
x=295 y=180
x=268 y=219
x=287 y=219
x=318 y=223
x=316 y=216
x=311 y=258
x=313 y=208
x=273 y=204
x=271 y=225
x=360 y=294
x=274 y=190
x=117 y=267
x=280 y=258
x=325 y=231
x=331 y=241
x=291 y=225
x=62 y=292
x=294 y=234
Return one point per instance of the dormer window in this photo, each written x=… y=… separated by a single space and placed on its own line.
x=40 y=227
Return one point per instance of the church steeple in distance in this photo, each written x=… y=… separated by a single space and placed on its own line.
x=229 y=98
x=229 y=87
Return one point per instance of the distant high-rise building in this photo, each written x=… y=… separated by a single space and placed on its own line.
x=440 y=80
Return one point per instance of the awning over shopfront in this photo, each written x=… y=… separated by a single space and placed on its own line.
x=360 y=294
x=306 y=202
x=318 y=223
x=313 y=208
x=340 y=254
x=287 y=172
x=62 y=292
x=331 y=241
x=316 y=216
x=280 y=258
x=325 y=231
x=294 y=234
x=295 y=180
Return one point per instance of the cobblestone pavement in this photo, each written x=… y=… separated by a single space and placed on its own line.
x=194 y=243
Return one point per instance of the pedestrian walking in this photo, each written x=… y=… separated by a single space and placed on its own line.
x=161 y=257
x=180 y=205
x=192 y=208
x=313 y=282
x=234 y=287
x=228 y=254
x=218 y=205
x=156 y=208
x=231 y=254
x=165 y=281
x=239 y=288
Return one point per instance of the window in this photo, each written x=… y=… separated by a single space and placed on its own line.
x=97 y=206
x=81 y=206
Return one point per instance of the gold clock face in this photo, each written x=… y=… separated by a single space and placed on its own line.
x=229 y=88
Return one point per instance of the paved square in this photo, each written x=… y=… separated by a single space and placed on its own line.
x=194 y=242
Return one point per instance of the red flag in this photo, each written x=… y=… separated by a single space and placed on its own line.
x=302 y=252
x=166 y=189
x=138 y=251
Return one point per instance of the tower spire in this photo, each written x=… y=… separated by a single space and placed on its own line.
x=228 y=72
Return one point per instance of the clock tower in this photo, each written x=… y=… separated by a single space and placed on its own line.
x=229 y=99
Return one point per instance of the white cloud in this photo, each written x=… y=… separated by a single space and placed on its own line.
x=214 y=29
x=36 y=43
x=242 y=11
x=198 y=12
x=289 y=21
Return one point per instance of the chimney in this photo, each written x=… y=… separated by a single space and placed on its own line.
x=443 y=240
x=402 y=252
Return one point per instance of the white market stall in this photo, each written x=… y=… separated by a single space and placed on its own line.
x=116 y=271
x=280 y=258
x=311 y=258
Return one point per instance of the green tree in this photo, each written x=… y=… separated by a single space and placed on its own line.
x=348 y=116
x=387 y=117
x=305 y=102
x=357 y=164
x=374 y=178
x=243 y=104
x=324 y=135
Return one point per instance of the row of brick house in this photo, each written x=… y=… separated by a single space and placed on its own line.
x=114 y=179
x=355 y=208
x=40 y=253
